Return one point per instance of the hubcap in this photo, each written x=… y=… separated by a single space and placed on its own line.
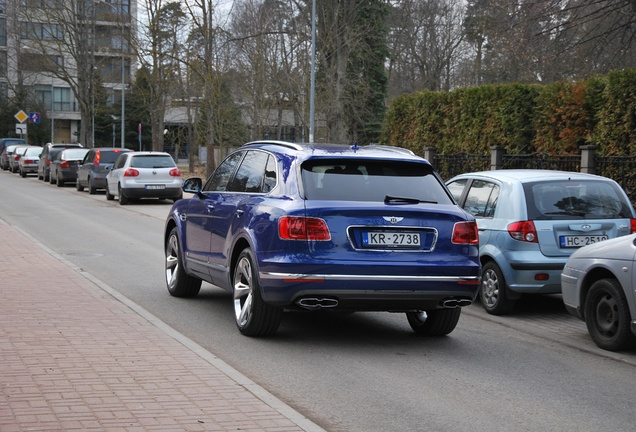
x=606 y=316
x=243 y=291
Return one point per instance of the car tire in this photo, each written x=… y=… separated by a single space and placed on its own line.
x=79 y=186
x=92 y=190
x=58 y=181
x=253 y=316
x=607 y=316
x=123 y=199
x=109 y=196
x=492 y=292
x=179 y=283
x=51 y=179
x=438 y=322
x=22 y=174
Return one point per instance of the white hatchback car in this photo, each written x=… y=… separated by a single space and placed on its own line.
x=144 y=175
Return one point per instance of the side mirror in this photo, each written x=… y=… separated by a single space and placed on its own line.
x=192 y=185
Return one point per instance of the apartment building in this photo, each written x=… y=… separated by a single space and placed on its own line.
x=57 y=50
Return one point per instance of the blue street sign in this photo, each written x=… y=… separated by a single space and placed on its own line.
x=34 y=117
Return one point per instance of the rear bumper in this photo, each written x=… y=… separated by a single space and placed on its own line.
x=152 y=193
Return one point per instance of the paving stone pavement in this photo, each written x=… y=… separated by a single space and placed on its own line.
x=75 y=356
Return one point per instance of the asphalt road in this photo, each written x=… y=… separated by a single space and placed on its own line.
x=534 y=371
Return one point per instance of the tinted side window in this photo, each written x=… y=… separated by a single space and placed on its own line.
x=121 y=161
x=478 y=198
x=249 y=177
x=270 y=175
x=221 y=176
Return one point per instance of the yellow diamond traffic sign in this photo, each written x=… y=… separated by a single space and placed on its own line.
x=21 y=116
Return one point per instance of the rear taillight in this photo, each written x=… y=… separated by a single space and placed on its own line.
x=523 y=231
x=98 y=156
x=16 y=158
x=303 y=228
x=48 y=161
x=174 y=172
x=465 y=233
x=131 y=172
x=633 y=225
x=64 y=165
x=29 y=161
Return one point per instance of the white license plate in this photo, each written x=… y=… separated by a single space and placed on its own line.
x=155 y=187
x=575 y=241
x=391 y=239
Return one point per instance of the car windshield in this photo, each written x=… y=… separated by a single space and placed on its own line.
x=74 y=154
x=33 y=151
x=574 y=199
x=152 y=161
x=392 y=182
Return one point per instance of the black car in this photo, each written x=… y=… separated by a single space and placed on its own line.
x=48 y=153
x=91 y=173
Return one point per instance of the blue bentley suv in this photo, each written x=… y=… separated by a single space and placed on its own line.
x=314 y=226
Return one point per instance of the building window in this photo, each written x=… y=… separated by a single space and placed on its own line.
x=42 y=31
x=4 y=93
x=42 y=93
x=3 y=62
x=40 y=62
x=3 y=6
x=62 y=99
x=40 y=4
x=3 y=32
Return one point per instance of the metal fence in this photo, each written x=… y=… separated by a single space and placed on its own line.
x=620 y=168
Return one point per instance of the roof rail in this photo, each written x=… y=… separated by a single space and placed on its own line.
x=275 y=142
x=392 y=148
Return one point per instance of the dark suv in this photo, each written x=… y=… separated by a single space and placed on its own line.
x=95 y=166
x=325 y=227
x=49 y=151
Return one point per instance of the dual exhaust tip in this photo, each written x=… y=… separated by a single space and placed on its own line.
x=314 y=303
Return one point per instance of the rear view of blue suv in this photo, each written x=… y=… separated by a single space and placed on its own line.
x=313 y=227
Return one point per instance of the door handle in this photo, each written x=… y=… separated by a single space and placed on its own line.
x=239 y=213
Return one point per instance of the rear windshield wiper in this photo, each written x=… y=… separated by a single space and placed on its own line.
x=567 y=213
x=388 y=199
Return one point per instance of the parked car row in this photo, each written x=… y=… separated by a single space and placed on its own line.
x=549 y=232
x=121 y=172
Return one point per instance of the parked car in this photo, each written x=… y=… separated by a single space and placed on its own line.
x=324 y=227
x=48 y=153
x=144 y=175
x=7 y=155
x=530 y=222
x=5 y=142
x=14 y=158
x=598 y=287
x=92 y=172
x=63 y=168
x=28 y=163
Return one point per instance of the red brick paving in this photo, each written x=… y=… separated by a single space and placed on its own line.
x=72 y=357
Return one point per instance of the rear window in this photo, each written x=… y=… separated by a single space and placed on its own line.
x=109 y=156
x=152 y=161
x=371 y=180
x=589 y=199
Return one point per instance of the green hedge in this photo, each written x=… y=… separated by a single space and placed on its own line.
x=555 y=119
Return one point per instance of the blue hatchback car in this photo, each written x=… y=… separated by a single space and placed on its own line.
x=314 y=227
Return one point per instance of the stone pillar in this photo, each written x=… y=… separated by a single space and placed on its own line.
x=429 y=154
x=496 y=157
x=588 y=159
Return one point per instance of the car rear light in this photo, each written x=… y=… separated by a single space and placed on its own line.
x=98 y=156
x=16 y=158
x=174 y=172
x=64 y=165
x=523 y=231
x=303 y=228
x=633 y=225
x=465 y=233
x=29 y=161
x=48 y=161
x=131 y=172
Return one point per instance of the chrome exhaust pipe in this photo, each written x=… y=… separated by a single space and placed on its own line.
x=454 y=303
x=317 y=303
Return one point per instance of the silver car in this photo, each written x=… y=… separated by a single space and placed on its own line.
x=28 y=162
x=144 y=175
x=598 y=287
x=530 y=222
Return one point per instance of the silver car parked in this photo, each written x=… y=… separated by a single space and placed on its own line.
x=598 y=287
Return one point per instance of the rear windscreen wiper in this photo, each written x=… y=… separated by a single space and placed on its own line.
x=401 y=200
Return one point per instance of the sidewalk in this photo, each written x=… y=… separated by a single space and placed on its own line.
x=76 y=355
